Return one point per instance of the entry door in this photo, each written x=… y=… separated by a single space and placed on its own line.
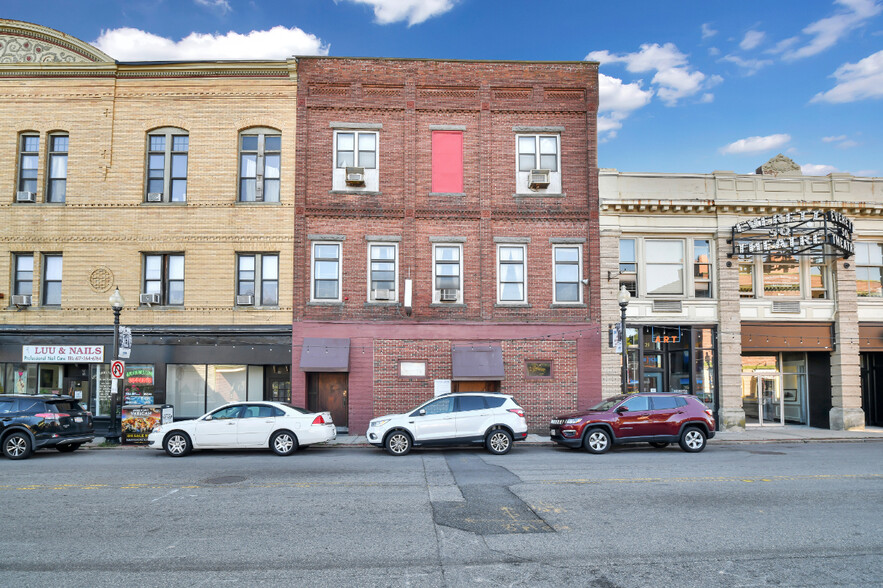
x=328 y=392
x=772 y=407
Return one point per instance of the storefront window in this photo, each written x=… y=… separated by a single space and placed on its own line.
x=139 y=385
x=19 y=378
x=185 y=389
x=196 y=389
x=226 y=383
x=101 y=382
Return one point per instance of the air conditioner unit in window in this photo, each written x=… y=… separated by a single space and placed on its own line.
x=245 y=300
x=154 y=196
x=355 y=176
x=382 y=294
x=149 y=299
x=24 y=196
x=539 y=178
x=21 y=299
x=448 y=295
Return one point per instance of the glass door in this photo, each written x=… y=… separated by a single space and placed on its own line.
x=762 y=399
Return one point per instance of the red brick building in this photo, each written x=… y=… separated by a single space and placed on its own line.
x=446 y=234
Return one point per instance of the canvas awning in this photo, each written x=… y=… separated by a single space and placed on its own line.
x=476 y=362
x=325 y=355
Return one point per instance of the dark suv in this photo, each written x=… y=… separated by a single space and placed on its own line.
x=658 y=419
x=31 y=422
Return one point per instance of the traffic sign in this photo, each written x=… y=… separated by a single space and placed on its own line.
x=117 y=369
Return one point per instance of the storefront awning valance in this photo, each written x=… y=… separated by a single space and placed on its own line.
x=783 y=336
x=325 y=355
x=476 y=362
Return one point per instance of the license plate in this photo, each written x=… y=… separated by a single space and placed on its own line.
x=78 y=419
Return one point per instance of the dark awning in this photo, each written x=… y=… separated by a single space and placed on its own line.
x=477 y=362
x=325 y=355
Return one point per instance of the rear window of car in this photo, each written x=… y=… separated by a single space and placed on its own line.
x=298 y=409
x=466 y=403
x=493 y=402
x=6 y=406
x=63 y=406
x=663 y=403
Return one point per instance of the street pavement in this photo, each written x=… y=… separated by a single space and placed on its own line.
x=738 y=514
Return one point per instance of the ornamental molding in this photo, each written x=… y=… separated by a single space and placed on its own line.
x=30 y=44
x=735 y=207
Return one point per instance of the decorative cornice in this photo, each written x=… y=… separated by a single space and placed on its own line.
x=736 y=207
x=30 y=44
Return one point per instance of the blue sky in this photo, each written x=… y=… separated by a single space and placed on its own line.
x=686 y=86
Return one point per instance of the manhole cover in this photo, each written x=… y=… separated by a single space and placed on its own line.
x=768 y=452
x=225 y=480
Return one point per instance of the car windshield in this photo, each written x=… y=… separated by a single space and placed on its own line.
x=607 y=403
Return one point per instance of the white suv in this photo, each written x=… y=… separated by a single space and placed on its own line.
x=453 y=419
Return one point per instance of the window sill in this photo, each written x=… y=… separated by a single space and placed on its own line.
x=448 y=305
x=513 y=305
x=447 y=194
x=356 y=192
x=179 y=307
x=539 y=195
x=256 y=203
x=372 y=303
x=324 y=303
x=254 y=307
x=163 y=203
x=568 y=305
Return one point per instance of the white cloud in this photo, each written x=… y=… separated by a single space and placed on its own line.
x=749 y=66
x=414 y=11
x=849 y=143
x=616 y=101
x=856 y=81
x=833 y=139
x=756 y=144
x=752 y=39
x=784 y=45
x=222 y=6
x=127 y=44
x=707 y=31
x=674 y=78
x=827 y=32
x=813 y=169
x=713 y=51
x=867 y=172
x=707 y=98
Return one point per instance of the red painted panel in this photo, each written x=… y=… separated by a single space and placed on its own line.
x=447 y=161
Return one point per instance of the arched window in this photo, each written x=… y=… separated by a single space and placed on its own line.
x=260 y=159
x=167 y=150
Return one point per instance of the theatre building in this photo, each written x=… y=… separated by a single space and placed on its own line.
x=760 y=293
x=445 y=235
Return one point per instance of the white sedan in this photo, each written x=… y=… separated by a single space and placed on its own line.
x=241 y=425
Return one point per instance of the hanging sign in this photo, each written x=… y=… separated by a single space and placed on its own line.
x=812 y=232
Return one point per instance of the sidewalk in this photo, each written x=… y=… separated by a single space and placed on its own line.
x=770 y=434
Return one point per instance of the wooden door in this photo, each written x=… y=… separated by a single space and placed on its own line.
x=328 y=392
x=481 y=386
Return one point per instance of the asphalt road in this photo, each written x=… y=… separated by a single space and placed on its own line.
x=734 y=515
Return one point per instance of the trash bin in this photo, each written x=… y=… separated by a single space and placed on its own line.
x=138 y=420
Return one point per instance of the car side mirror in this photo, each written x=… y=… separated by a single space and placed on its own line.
x=422 y=412
x=622 y=409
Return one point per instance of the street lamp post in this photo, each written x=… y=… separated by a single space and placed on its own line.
x=623 y=299
x=116 y=303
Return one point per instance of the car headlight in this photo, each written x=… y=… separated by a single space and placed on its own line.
x=572 y=421
x=379 y=423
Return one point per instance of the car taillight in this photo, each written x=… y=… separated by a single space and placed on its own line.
x=518 y=411
x=51 y=416
x=319 y=420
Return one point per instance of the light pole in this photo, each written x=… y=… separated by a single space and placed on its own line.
x=623 y=299
x=116 y=303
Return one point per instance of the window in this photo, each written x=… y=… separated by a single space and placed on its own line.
x=538 y=369
x=628 y=267
x=326 y=271
x=447 y=162
x=56 y=188
x=167 y=165
x=538 y=152
x=29 y=155
x=511 y=277
x=382 y=259
x=702 y=268
x=469 y=403
x=446 y=274
x=23 y=282
x=781 y=276
x=785 y=276
x=164 y=276
x=260 y=160
x=440 y=406
x=356 y=148
x=51 y=280
x=746 y=278
x=651 y=266
x=664 y=403
x=637 y=403
x=412 y=369
x=664 y=267
x=818 y=276
x=257 y=275
x=568 y=273
x=869 y=269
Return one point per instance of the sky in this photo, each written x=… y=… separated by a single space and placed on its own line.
x=685 y=86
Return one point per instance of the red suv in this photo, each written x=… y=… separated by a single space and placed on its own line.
x=658 y=419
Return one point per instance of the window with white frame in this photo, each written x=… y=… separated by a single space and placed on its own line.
x=664 y=267
x=257 y=279
x=568 y=274
x=702 y=268
x=786 y=277
x=628 y=266
x=447 y=272
x=326 y=272
x=658 y=266
x=382 y=272
x=164 y=277
x=869 y=269
x=356 y=159
x=23 y=279
x=511 y=274
x=51 y=286
x=167 y=153
x=260 y=161
x=56 y=184
x=538 y=163
x=28 y=163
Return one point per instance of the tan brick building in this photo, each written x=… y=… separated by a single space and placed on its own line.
x=170 y=180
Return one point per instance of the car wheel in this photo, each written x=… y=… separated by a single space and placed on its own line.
x=283 y=443
x=68 y=447
x=597 y=441
x=17 y=446
x=658 y=444
x=692 y=440
x=177 y=444
x=498 y=442
x=398 y=443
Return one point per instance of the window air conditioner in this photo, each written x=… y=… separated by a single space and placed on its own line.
x=245 y=300
x=448 y=295
x=21 y=299
x=382 y=294
x=355 y=176
x=149 y=299
x=539 y=178
x=24 y=196
x=154 y=196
